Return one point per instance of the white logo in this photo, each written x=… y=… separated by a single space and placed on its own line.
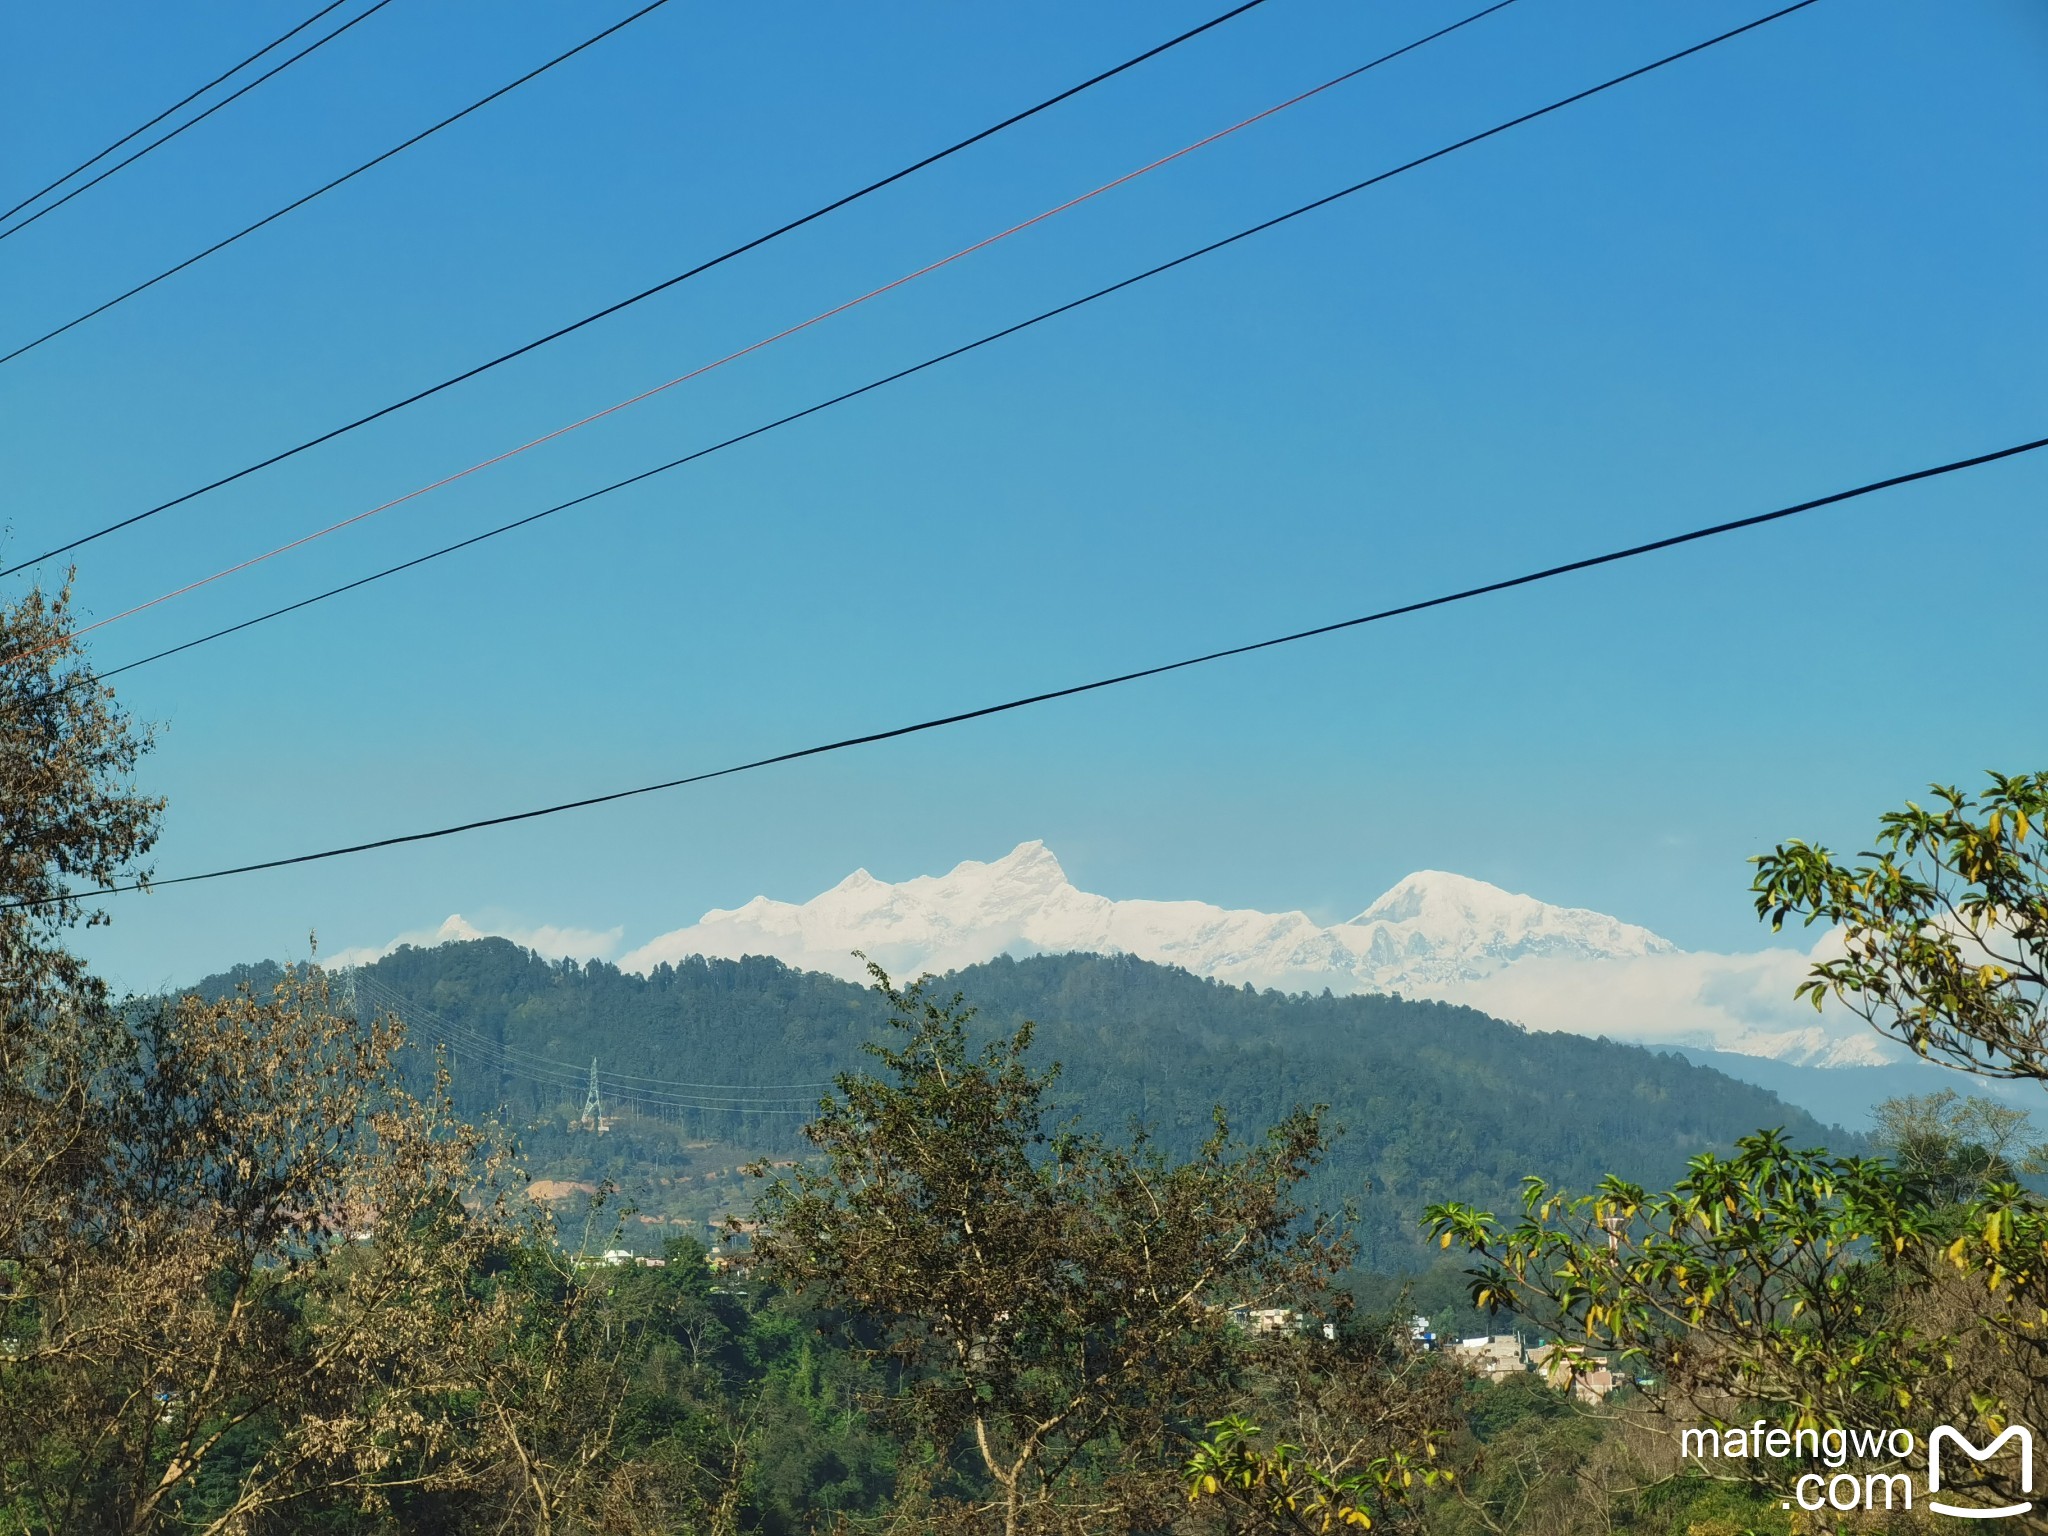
x=1944 y=1432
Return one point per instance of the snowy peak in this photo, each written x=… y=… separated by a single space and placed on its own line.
x=1442 y=927
x=1019 y=903
x=1432 y=928
x=1029 y=863
x=1433 y=893
x=1010 y=888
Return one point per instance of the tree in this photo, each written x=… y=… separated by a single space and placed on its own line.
x=1052 y=1305
x=68 y=813
x=1348 y=1438
x=243 y=1269
x=1819 y=1291
x=1953 y=1147
x=1835 y=1291
x=1944 y=925
x=264 y=1286
x=1758 y=1278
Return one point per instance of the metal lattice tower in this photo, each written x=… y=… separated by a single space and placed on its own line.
x=593 y=1102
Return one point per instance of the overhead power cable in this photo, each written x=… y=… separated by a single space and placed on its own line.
x=92 y=160
x=632 y=299
x=916 y=368
x=467 y=1042
x=576 y=1081
x=396 y=149
x=529 y=1064
x=397 y=1002
x=716 y=363
x=572 y=1078
x=1467 y=594
x=194 y=120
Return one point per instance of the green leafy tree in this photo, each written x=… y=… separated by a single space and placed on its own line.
x=1053 y=1306
x=1281 y=1485
x=736 y=1414
x=1757 y=1278
x=1346 y=1435
x=1836 y=1291
x=1944 y=925
x=1820 y=1291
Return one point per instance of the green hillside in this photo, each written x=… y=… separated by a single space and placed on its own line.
x=1436 y=1102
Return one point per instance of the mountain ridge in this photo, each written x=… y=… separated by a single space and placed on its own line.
x=1430 y=926
x=1432 y=934
x=1437 y=1100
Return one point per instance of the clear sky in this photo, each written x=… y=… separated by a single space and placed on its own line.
x=1805 y=259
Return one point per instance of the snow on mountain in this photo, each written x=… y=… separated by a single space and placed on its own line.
x=1440 y=928
x=1022 y=903
x=1431 y=927
x=1433 y=935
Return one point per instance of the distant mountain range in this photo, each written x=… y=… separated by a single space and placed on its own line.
x=1430 y=930
x=1436 y=1101
x=1434 y=935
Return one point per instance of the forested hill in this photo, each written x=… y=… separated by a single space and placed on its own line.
x=1437 y=1102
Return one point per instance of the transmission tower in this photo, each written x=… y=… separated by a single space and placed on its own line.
x=593 y=1102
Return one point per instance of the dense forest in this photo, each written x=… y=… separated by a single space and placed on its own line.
x=1433 y=1102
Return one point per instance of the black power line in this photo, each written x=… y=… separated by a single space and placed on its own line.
x=663 y=1096
x=1466 y=594
x=398 y=1003
x=785 y=332
x=396 y=149
x=930 y=362
x=92 y=160
x=645 y=293
x=194 y=120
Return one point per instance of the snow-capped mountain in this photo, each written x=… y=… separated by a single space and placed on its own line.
x=1431 y=928
x=1433 y=935
x=1435 y=928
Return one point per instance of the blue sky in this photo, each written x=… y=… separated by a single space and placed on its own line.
x=1806 y=259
